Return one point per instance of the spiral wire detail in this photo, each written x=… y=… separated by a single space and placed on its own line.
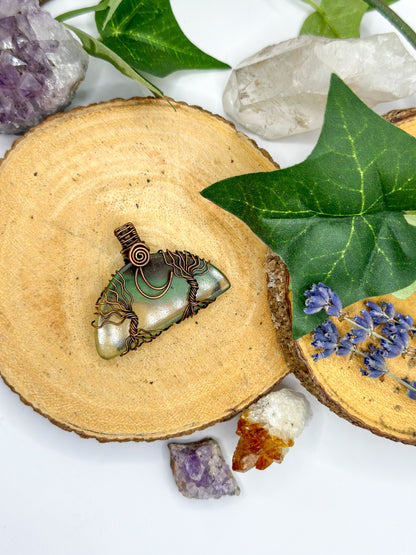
x=128 y=237
x=139 y=254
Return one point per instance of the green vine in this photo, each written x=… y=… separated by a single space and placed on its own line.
x=394 y=19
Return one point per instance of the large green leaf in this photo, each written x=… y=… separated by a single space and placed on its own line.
x=147 y=36
x=338 y=216
x=336 y=18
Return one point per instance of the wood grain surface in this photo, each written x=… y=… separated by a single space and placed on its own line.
x=64 y=187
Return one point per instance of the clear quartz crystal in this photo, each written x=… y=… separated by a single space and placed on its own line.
x=282 y=89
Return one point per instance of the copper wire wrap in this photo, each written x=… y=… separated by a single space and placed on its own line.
x=139 y=255
x=119 y=300
x=121 y=309
x=186 y=265
x=163 y=288
x=128 y=237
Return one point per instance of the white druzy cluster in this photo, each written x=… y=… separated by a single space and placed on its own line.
x=282 y=413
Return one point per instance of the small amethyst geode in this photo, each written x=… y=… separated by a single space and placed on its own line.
x=41 y=65
x=200 y=471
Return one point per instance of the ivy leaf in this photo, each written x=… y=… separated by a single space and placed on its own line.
x=405 y=292
x=114 y=4
x=337 y=217
x=335 y=18
x=410 y=218
x=147 y=36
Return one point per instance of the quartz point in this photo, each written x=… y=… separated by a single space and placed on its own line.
x=200 y=471
x=268 y=428
x=282 y=89
x=41 y=65
x=154 y=314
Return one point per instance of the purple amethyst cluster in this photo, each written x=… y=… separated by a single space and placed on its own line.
x=41 y=65
x=200 y=471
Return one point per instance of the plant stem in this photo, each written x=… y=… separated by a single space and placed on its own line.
x=373 y=333
x=322 y=13
x=96 y=48
x=401 y=381
x=394 y=19
x=75 y=13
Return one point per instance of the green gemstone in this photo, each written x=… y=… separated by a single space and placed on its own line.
x=160 y=299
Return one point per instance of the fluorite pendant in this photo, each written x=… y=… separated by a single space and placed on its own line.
x=150 y=293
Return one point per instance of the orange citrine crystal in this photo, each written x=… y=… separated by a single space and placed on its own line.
x=257 y=447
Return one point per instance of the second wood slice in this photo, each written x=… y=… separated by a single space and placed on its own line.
x=64 y=188
x=381 y=405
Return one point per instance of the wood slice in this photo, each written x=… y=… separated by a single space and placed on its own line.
x=381 y=405
x=64 y=187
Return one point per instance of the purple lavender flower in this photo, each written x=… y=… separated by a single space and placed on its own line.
x=410 y=393
x=396 y=344
x=404 y=322
x=325 y=337
x=345 y=346
x=321 y=297
x=401 y=322
x=382 y=313
x=374 y=363
x=397 y=329
x=366 y=328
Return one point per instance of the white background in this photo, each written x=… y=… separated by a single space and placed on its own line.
x=340 y=490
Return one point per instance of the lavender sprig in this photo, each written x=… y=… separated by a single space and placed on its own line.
x=397 y=330
x=320 y=297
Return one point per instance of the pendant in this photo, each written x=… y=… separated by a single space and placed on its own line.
x=150 y=293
